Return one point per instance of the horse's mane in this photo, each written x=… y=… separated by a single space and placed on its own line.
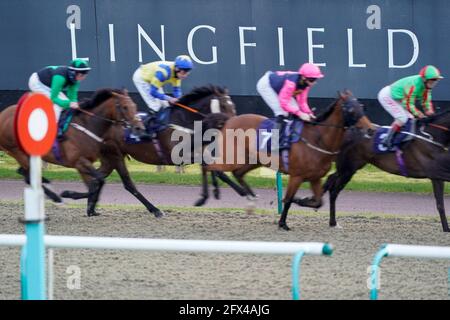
x=200 y=92
x=325 y=114
x=99 y=96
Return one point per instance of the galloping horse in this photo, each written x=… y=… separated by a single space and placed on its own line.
x=426 y=156
x=309 y=159
x=194 y=106
x=106 y=109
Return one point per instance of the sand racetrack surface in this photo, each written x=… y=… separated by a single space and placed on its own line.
x=157 y=275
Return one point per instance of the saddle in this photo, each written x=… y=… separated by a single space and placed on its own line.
x=400 y=139
x=154 y=123
x=291 y=134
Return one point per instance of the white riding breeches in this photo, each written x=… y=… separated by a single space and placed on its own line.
x=393 y=107
x=143 y=87
x=36 y=85
x=270 y=96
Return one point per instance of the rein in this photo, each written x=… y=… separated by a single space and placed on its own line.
x=91 y=114
x=439 y=127
x=190 y=109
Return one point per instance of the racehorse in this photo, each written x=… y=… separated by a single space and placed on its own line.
x=108 y=108
x=425 y=156
x=309 y=158
x=194 y=106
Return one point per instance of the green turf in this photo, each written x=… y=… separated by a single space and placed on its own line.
x=368 y=179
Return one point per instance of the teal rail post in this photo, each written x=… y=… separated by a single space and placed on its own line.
x=279 y=192
x=33 y=254
x=375 y=272
x=296 y=275
x=327 y=250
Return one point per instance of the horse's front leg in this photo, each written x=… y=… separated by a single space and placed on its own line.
x=315 y=201
x=205 y=190
x=438 y=190
x=293 y=185
x=94 y=181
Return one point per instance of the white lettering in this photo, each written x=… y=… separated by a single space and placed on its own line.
x=112 y=51
x=243 y=44
x=191 y=50
x=350 y=51
x=160 y=52
x=281 y=46
x=391 y=47
x=311 y=46
x=73 y=42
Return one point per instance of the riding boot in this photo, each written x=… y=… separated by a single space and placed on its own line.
x=280 y=125
x=389 y=139
x=60 y=135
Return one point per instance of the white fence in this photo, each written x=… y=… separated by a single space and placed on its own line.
x=400 y=250
x=172 y=245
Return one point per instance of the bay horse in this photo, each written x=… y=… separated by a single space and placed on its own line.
x=107 y=108
x=309 y=159
x=194 y=106
x=422 y=157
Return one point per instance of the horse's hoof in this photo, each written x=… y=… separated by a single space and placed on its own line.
x=93 y=214
x=59 y=203
x=284 y=227
x=200 y=202
x=66 y=194
x=336 y=226
x=158 y=214
x=216 y=195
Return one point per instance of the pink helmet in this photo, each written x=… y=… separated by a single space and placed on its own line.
x=310 y=70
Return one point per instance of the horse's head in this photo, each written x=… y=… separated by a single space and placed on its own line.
x=353 y=111
x=113 y=106
x=126 y=110
x=202 y=98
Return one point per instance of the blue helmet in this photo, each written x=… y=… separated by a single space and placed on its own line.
x=183 y=62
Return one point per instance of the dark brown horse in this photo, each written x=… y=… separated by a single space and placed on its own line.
x=106 y=109
x=422 y=158
x=309 y=159
x=159 y=151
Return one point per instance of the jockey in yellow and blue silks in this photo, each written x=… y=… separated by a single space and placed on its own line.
x=150 y=78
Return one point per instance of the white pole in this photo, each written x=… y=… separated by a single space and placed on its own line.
x=50 y=273
x=432 y=252
x=310 y=248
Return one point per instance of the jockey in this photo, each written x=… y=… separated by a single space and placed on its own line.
x=399 y=98
x=279 y=88
x=150 y=78
x=52 y=80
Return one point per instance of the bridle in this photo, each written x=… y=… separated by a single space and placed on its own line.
x=118 y=109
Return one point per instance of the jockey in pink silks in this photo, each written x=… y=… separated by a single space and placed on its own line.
x=286 y=92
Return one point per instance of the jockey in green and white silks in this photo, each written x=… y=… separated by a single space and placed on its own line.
x=399 y=98
x=53 y=80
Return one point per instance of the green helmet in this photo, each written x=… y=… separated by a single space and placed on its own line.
x=430 y=72
x=79 y=65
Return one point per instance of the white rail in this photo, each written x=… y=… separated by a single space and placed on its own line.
x=174 y=245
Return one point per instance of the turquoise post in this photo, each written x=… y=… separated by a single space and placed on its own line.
x=279 y=192
x=375 y=272
x=34 y=255
x=296 y=275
